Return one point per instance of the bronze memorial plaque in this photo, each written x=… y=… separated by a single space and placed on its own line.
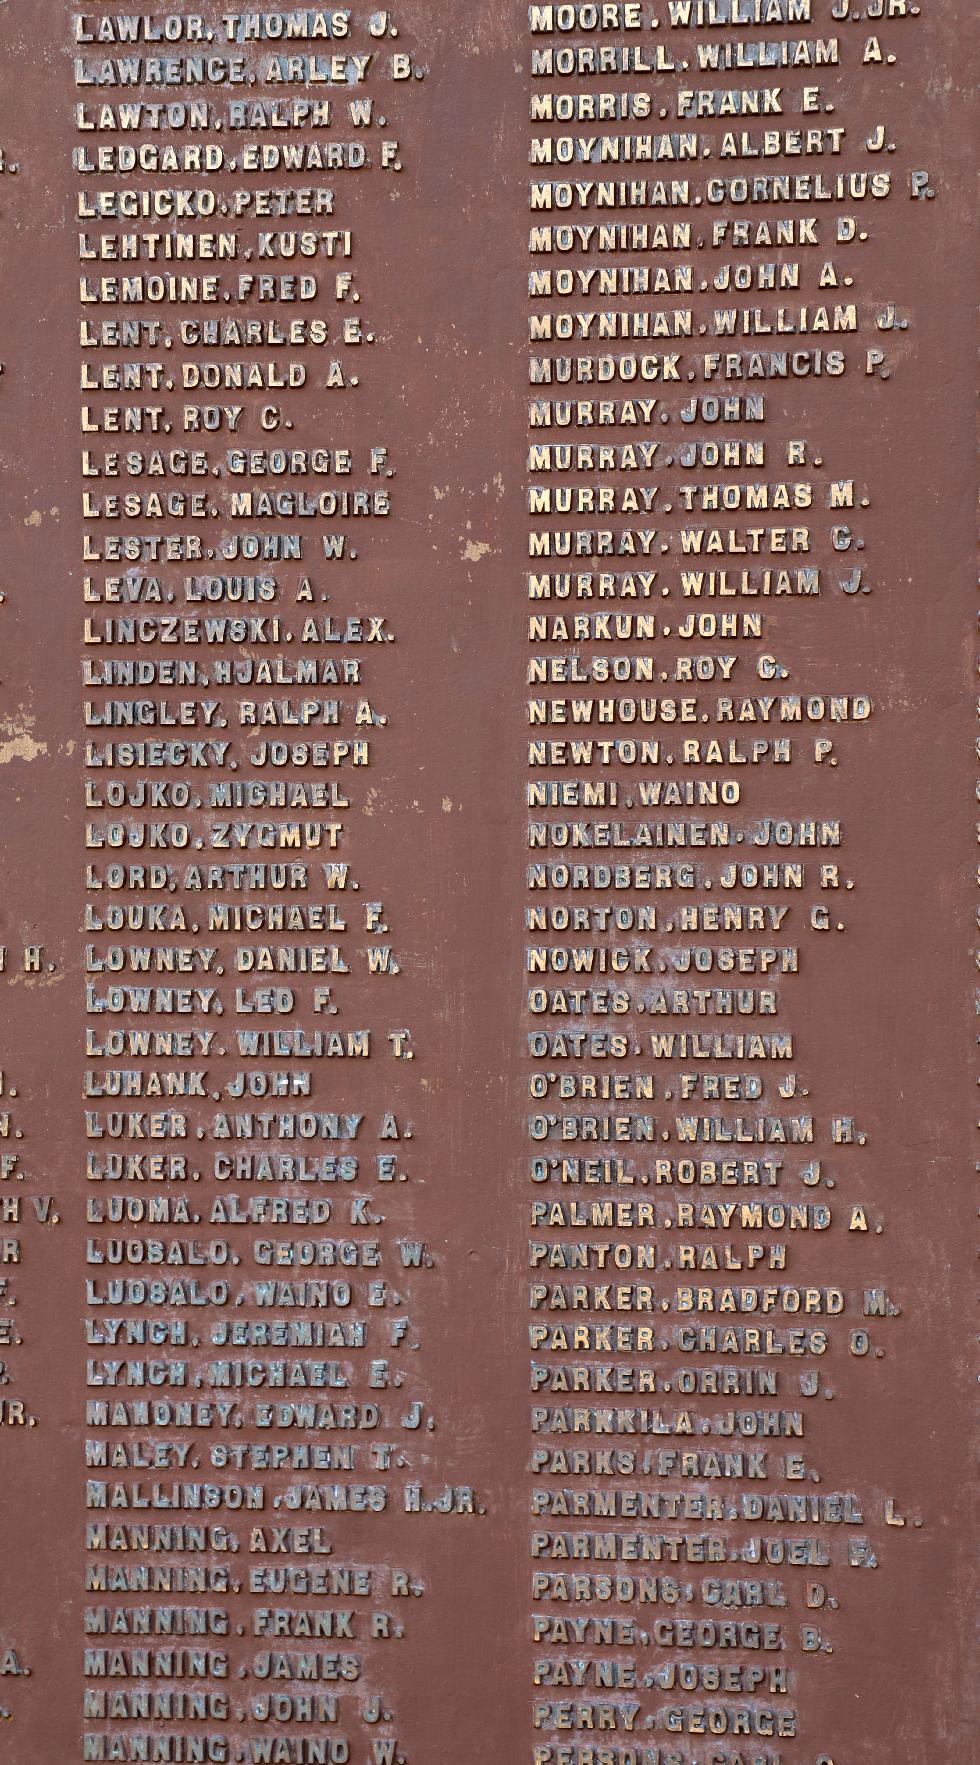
x=488 y=945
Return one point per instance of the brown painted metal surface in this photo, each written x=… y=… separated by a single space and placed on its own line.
x=411 y=1352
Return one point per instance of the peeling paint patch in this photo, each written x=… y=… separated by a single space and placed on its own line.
x=17 y=741
x=475 y=550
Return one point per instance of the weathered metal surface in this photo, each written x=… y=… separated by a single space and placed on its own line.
x=411 y=1352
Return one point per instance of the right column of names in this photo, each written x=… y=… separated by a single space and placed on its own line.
x=732 y=827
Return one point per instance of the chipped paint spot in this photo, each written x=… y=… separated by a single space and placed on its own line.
x=447 y=804
x=475 y=550
x=16 y=740
x=34 y=519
